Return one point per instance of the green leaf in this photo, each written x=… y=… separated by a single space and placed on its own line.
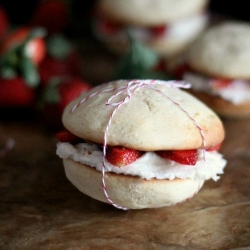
x=138 y=60
x=29 y=72
x=37 y=32
x=51 y=94
x=58 y=46
x=8 y=72
x=9 y=65
x=142 y=56
x=34 y=33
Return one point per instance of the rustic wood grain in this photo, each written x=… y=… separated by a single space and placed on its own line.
x=40 y=209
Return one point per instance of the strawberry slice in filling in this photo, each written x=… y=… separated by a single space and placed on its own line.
x=219 y=83
x=187 y=157
x=109 y=27
x=67 y=136
x=214 y=148
x=158 y=31
x=120 y=156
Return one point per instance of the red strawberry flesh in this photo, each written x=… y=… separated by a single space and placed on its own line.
x=220 y=83
x=14 y=92
x=158 y=30
x=121 y=156
x=67 y=136
x=214 y=148
x=187 y=157
x=70 y=90
x=109 y=27
x=35 y=48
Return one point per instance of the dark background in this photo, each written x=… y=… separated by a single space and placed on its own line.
x=20 y=11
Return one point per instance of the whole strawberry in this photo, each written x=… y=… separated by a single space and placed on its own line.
x=25 y=42
x=54 y=67
x=15 y=92
x=62 y=59
x=58 y=94
x=21 y=51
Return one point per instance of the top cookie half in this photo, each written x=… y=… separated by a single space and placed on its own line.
x=223 y=51
x=155 y=116
x=149 y=12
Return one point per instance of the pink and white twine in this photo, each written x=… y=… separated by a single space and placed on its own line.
x=130 y=88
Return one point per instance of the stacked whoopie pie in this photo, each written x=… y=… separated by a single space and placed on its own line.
x=166 y=26
x=140 y=143
x=218 y=67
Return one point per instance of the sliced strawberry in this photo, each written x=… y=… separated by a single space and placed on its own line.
x=180 y=70
x=214 y=148
x=67 y=136
x=187 y=157
x=220 y=83
x=121 y=156
x=160 y=66
x=109 y=27
x=158 y=30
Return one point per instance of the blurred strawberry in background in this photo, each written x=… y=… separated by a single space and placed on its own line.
x=62 y=59
x=56 y=96
x=21 y=52
x=54 y=15
x=40 y=65
x=25 y=42
x=15 y=92
x=60 y=78
x=4 y=23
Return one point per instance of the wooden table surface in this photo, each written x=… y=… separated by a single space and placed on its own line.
x=41 y=209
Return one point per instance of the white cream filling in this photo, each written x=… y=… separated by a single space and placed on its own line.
x=237 y=92
x=149 y=166
x=184 y=29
